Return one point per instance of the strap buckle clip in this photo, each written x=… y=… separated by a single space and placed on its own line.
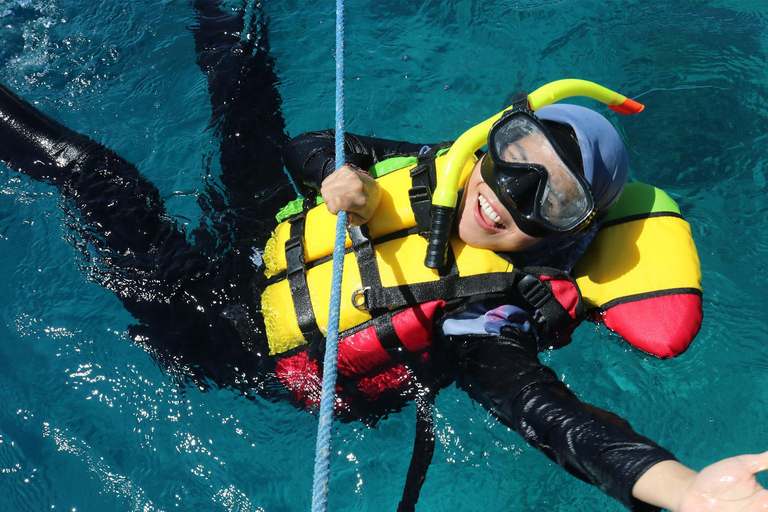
x=294 y=255
x=534 y=291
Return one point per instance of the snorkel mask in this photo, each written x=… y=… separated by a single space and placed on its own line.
x=542 y=188
x=445 y=196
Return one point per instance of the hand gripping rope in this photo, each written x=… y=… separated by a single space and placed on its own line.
x=328 y=398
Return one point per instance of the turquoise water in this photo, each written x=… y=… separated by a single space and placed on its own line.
x=90 y=422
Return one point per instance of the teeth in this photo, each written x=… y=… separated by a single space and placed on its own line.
x=488 y=210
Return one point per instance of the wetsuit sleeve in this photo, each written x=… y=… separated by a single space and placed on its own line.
x=311 y=157
x=37 y=145
x=233 y=52
x=504 y=374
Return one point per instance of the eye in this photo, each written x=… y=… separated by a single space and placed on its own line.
x=553 y=203
x=557 y=197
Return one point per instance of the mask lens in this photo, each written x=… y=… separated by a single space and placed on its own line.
x=529 y=169
x=565 y=203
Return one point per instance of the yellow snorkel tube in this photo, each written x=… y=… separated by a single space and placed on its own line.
x=445 y=195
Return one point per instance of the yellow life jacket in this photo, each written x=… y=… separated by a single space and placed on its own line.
x=390 y=299
x=640 y=276
x=300 y=251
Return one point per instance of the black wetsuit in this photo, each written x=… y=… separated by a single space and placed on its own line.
x=196 y=296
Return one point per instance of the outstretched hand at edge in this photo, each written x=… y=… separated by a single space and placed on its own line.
x=725 y=486
x=728 y=485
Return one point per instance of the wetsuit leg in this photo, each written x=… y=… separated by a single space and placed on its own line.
x=122 y=214
x=182 y=300
x=193 y=307
x=233 y=53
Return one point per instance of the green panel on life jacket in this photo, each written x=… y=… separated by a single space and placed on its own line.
x=642 y=200
x=392 y=164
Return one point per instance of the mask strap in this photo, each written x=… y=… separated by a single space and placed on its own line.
x=520 y=101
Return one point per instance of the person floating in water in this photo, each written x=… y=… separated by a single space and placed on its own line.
x=581 y=168
x=197 y=303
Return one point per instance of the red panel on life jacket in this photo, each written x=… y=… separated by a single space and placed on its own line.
x=301 y=376
x=362 y=357
x=362 y=352
x=391 y=379
x=657 y=325
x=565 y=292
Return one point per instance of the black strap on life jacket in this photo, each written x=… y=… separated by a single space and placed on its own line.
x=374 y=297
x=377 y=299
x=420 y=193
x=369 y=275
x=540 y=297
x=296 y=273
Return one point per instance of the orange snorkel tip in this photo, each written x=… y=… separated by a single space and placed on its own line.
x=628 y=107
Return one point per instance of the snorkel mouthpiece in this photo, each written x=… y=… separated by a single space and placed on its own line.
x=439 y=233
x=445 y=197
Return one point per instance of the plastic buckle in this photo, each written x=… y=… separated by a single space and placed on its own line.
x=534 y=291
x=294 y=255
x=419 y=193
x=421 y=204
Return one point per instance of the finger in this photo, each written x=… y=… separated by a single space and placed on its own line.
x=354 y=219
x=345 y=201
x=332 y=209
x=756 y=462
x=342 y=173
x=332 y=202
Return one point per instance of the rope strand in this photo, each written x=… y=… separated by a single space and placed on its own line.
x=327 y=400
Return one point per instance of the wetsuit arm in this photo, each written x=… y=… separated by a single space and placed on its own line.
x=504 y=374
x=233 y=51
x=311 y=157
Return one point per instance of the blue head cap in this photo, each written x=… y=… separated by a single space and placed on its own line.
x=606 y=167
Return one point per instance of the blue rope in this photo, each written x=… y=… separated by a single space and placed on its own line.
x=323 y=447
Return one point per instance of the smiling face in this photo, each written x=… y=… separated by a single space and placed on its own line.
x=485 y=223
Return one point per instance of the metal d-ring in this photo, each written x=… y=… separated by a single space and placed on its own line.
x=360 y=298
